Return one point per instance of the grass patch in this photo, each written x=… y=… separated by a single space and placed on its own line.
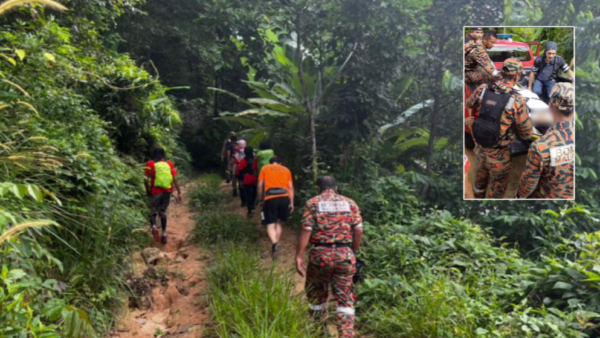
x=207 y=195
x=220 y=226
x=211 y=180
x=247 y=301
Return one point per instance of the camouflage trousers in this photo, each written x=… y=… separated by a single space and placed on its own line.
x=332 y=267
x=493 y=169
x=480 y=76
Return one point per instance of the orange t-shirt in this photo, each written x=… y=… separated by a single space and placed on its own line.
x=275 y=176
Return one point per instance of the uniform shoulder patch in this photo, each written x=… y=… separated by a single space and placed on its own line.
x=562 y=155
x=334 y=206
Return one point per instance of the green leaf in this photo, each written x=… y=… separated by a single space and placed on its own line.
x=50 y=57
x=20 y=53
x=562 y=286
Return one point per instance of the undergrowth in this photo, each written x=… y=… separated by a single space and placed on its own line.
x=250 y=301
x=217 y=226
x=247 y=298
x=207 y=195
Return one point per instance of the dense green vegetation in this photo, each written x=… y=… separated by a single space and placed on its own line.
x=367 y=90
x=77 y=119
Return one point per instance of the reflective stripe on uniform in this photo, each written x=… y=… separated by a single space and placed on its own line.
x=307 y=228
x=318 y=307
x=495 y=72
x=478 y=190
x=510 y=103
x=359 y=225
x=345 y=310
x=482 y=93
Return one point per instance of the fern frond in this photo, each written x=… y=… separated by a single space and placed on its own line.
x=12 y=4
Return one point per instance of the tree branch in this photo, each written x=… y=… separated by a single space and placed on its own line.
x=335 y=78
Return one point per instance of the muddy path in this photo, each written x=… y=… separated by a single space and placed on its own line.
x=171 y=280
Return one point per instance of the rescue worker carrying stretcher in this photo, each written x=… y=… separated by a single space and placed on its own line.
x=549 y=169
x=479 y=68
x=502 y=114
x=333 y=224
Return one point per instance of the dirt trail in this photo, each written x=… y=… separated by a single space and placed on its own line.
x=287 y=245
x=171 y=306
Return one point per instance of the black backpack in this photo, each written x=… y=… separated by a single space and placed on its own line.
x=486 y=129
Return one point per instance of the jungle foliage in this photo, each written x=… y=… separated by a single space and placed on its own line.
x=77 y=119
x=372 y=88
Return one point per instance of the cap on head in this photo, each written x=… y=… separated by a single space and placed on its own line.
x=241 y=143
x=477 y=29
x=512 y=66
x=550 y=45
x=562 y=97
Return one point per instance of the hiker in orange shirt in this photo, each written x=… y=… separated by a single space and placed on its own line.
x=276 y=196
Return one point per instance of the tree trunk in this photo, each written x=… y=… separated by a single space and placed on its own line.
x=313 y=135
x=432 y=129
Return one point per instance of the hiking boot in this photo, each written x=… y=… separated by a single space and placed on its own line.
x=155 y=234
x=163 y=239
x=250 y=214
x=275 y=250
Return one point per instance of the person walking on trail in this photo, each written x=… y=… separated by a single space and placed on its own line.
x=247 y=171
x=227 y=153
x=475 y=35
x=545 y=70
x=333 y=225
x=264 y=154
x=502 y=114
x=276 y=196
x=237 y=158
x=479 y=68
x=160 y=179
x=549 y=168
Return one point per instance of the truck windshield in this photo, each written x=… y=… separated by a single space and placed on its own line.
x=501 y=53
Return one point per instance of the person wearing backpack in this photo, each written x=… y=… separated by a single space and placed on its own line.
x=247 y=171
x=160 y=179
x=264 y=155
x=545 y=70
x=502 y=114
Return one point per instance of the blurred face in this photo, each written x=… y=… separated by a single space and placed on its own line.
x=489 y=42
x=550 y=55
x=477 y=35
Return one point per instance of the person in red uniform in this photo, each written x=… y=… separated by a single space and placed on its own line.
x=333 y=225
x=160 y=198
x=247 y=171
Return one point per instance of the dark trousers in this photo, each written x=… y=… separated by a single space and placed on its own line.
x=250 y=196
x=242 y=191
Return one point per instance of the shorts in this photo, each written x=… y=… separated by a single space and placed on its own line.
x=277 y=208
x=160 y=202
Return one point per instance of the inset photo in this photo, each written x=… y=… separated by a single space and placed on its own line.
x=519 y=109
